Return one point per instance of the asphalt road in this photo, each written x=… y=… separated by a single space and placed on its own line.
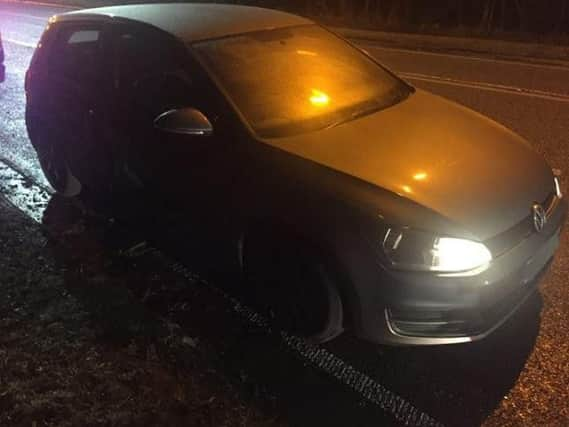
x=517 y=377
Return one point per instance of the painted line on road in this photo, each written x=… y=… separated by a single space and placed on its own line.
x=44 y=4
x=513 y=61
x=492 y=87
x=20 y=43
x=32 y=200
x=24 y=15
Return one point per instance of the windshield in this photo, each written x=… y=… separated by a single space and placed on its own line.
x=298 y=79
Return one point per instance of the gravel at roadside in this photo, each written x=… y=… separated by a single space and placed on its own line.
x=77 y=347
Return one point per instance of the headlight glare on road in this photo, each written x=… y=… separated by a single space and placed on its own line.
x=421 y=251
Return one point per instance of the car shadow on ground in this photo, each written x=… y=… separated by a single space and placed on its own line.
x=133 y=300
x=132 y=297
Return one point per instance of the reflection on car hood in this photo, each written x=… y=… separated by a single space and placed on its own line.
x=441 y=155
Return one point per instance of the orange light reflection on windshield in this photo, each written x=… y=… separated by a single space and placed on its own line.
x=306 y=52
x=420 y=176
x=319 y=98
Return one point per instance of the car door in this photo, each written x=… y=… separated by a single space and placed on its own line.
x=75 y=90
x=190 y=177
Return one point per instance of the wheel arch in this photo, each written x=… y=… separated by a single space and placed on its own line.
x=323 y=245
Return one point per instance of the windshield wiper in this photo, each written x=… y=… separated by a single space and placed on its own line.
x=377 y=106
x=356 y=115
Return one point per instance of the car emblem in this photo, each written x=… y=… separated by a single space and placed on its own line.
x=539 y=217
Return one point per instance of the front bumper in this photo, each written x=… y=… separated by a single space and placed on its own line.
x=428 y=309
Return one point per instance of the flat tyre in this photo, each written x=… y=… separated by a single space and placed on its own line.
x=294 y=288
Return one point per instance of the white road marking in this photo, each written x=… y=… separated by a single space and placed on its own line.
x=20 y=43
x=39 y=3
x=32 y=200
x=492 y=87
x=24 y=15
x=513 y=61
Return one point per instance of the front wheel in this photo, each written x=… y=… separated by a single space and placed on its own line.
x=295 y=289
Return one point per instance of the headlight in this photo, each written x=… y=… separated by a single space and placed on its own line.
x=421 y=251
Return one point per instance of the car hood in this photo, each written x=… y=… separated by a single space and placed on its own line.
x=439 y=154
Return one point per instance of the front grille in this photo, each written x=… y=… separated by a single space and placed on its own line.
x=505 y=241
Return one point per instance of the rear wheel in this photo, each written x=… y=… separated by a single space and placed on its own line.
x=54 y=164
x=294 y=288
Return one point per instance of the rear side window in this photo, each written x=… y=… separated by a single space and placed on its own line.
x=85 y=37
x=151 y=70
x=75 y=52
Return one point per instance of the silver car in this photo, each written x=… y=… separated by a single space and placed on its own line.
x=334 y=194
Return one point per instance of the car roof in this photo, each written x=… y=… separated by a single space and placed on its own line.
x=194 y=21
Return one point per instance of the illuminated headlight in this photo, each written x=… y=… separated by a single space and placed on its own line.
x=557 y=187
x=421 y=251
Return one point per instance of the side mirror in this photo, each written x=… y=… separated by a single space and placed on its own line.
x=184 y=121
